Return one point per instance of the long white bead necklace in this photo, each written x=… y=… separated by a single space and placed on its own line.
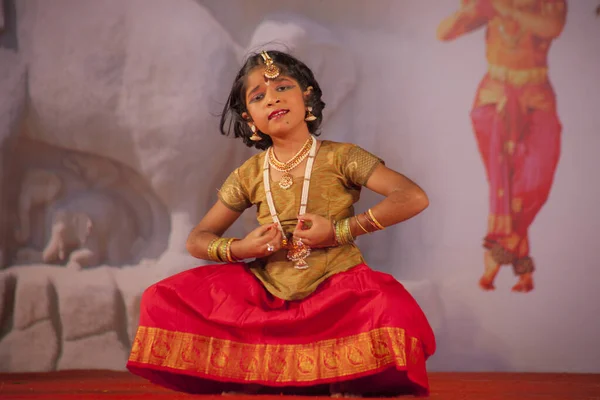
x=297 y=251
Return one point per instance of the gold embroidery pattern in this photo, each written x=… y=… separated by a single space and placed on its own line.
x=280 y=363
x=360 y=165
x=232 y=193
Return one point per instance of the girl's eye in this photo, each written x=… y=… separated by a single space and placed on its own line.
x=261 y=96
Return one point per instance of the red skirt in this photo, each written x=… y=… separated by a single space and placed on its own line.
x=216 y=329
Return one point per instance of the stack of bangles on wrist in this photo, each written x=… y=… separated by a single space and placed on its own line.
x=343 y=234
x=219 y=249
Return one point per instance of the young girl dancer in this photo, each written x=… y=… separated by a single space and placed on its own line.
x=292 y=307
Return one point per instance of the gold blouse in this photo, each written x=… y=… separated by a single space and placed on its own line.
x=339 y=172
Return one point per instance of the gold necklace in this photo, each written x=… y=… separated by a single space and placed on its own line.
x=297 y=251
x=287 y=180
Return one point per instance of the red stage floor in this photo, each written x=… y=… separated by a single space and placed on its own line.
x=109 y=385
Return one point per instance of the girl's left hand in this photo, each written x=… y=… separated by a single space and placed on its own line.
x=319 y=234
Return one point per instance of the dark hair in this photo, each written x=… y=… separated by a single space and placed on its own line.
x=231 y=118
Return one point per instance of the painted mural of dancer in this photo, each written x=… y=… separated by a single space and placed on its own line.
x=515 y=121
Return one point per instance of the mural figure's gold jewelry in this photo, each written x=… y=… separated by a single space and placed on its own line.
x=271 y=70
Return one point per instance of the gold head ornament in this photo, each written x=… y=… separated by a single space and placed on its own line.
x=271 y=70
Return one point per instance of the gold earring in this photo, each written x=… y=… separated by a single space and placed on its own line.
x=255 y=137
x=309 y=115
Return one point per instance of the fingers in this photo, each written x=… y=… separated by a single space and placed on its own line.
x=317 y=235
x=305 y=225
x=305 y=221
x=307 y=217
x=301 y=233
x=265 y=233
x=271 y=235
x=264 y=240
x=277 y=238
x=306 y=236
x=270 y=243
x=302 y=223
x=261 y=230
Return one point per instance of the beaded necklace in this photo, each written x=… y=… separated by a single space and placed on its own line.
x=297 y=251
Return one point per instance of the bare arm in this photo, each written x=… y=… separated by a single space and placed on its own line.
x=403 y=199
x=216 y=222
x=548 y=24
x=467 y=19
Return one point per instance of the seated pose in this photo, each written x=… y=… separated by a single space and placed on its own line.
x=291 y=308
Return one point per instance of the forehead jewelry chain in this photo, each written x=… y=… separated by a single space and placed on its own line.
x=271 y=70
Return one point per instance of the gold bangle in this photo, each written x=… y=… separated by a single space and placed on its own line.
x=381 y=227
x=349 y=237
x=360 y=225
x=368 y=219
x=339 y=232
x=335 y=239
x=222 y=249
x=211 y=251
x=343 y=233
x=338 y=239
x=229 y=255
x=208 y=248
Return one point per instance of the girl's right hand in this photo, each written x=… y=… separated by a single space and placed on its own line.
x=261 y=242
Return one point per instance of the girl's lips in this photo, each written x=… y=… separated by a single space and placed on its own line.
x=278 y=113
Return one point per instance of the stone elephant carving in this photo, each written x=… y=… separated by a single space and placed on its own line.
x=39 y=187
x=90 y=229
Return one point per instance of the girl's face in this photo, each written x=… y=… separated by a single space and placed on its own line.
x=275 y=106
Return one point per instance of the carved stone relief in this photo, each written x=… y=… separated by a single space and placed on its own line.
x=79 y=210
